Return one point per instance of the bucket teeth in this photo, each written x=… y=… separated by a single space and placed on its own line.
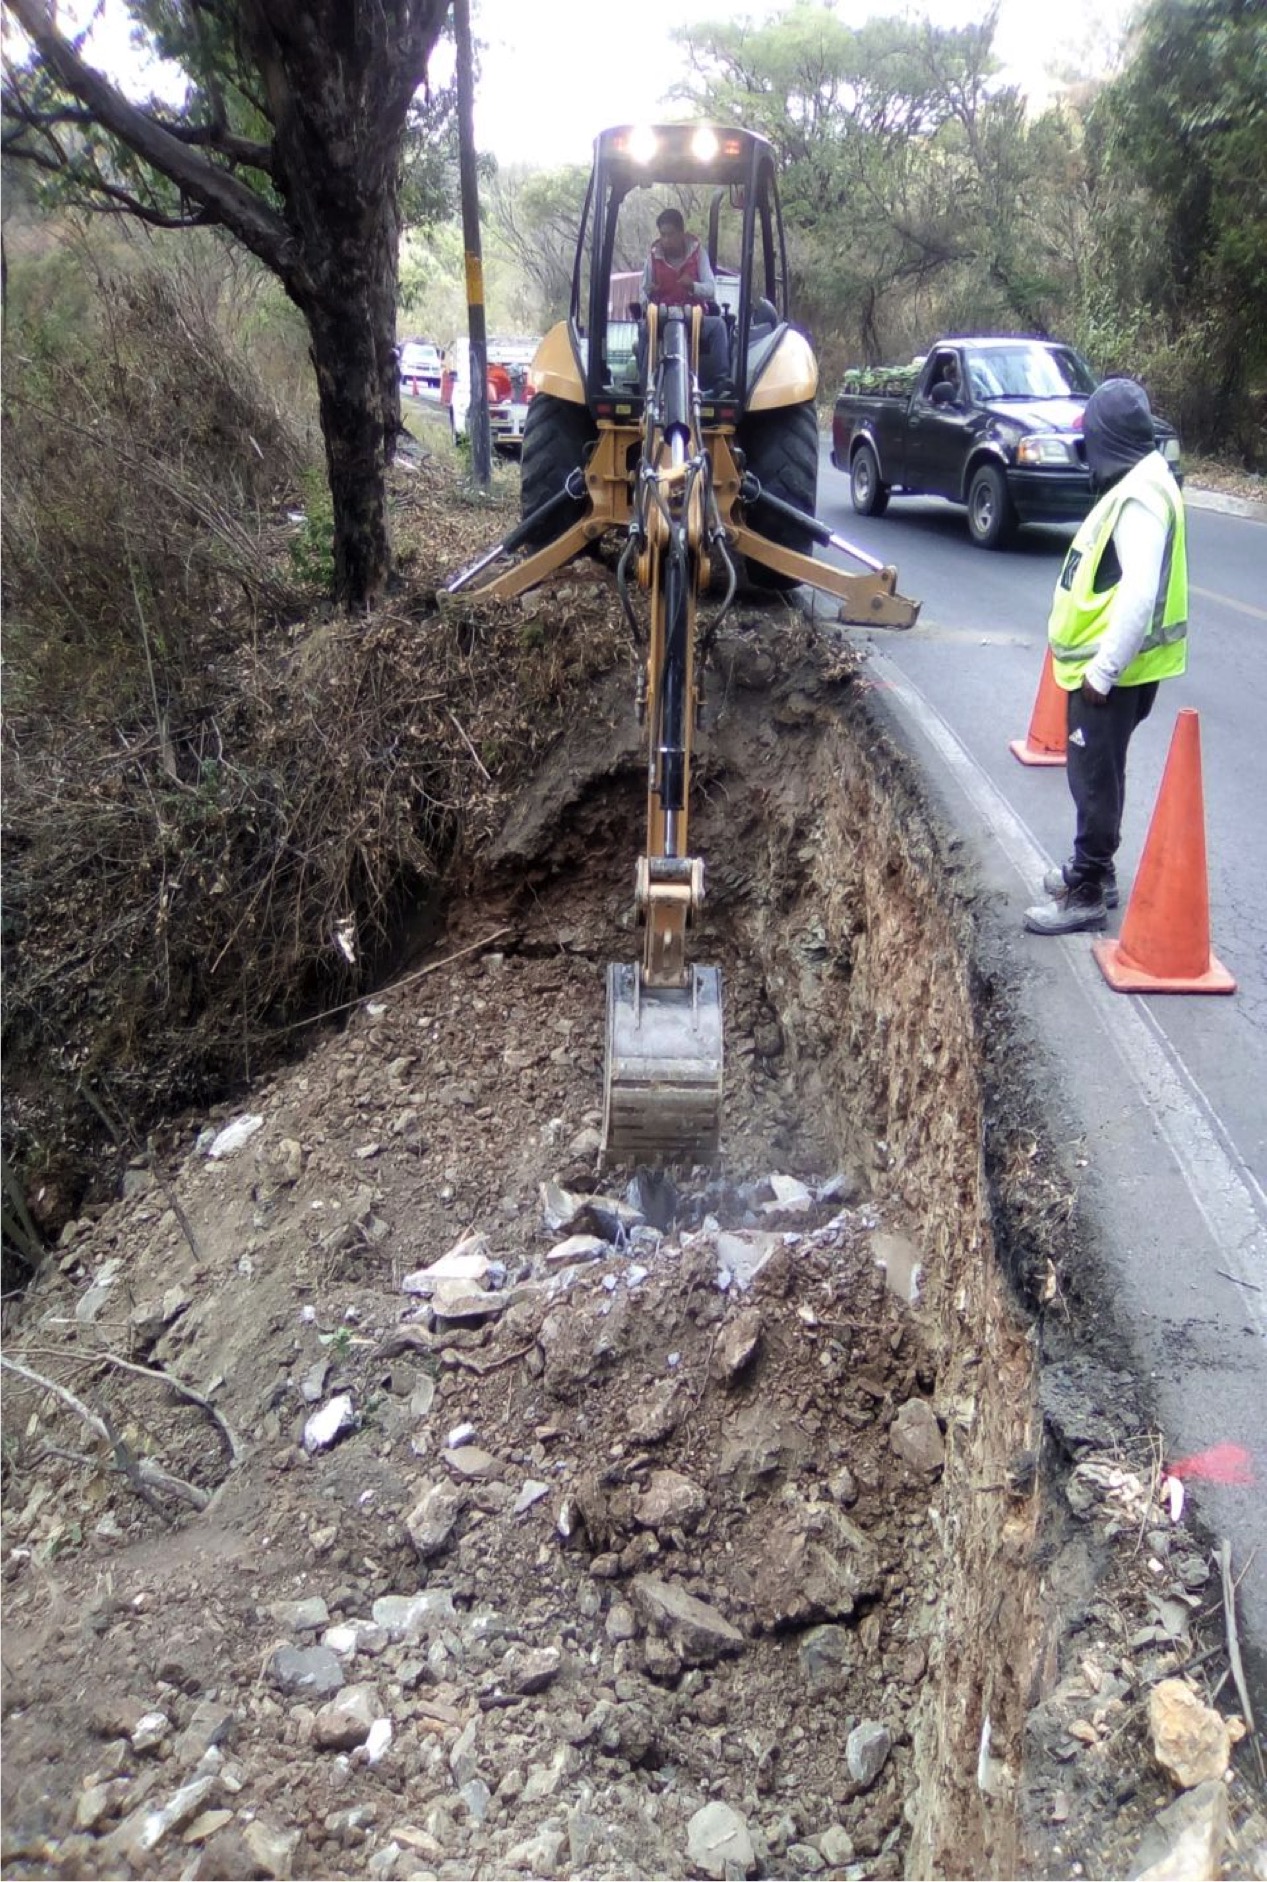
x=663 y=1083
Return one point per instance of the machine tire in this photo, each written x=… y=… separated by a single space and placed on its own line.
x=782 y=453
x=991 y=515
x=868 y=494
x=557 y=436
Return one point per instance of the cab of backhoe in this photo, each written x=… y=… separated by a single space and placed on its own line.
x=723 y=181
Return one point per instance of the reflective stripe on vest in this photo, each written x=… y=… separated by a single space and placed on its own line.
x=1079 y=614
x=673 y=282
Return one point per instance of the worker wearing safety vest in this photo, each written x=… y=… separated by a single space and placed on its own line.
x=1118 y=625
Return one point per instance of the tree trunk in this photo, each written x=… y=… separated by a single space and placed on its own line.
x=346 y=356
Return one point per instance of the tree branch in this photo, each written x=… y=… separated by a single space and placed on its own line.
x=233 y=202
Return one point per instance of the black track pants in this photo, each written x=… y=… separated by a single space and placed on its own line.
x=1096 y=769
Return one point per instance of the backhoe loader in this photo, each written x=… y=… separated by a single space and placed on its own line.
x=621 y=434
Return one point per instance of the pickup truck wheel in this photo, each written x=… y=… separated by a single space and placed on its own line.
x=991 y=517
x=556 y=441
x=869 y=496
x=782 y=453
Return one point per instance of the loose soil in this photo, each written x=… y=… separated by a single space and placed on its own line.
x=758 y=1506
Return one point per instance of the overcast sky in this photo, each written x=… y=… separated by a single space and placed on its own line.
x=555 y=72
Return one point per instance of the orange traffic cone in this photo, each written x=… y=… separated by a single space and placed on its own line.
x=1044 y=743
x=1164 y=946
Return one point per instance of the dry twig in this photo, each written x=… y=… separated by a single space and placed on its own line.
x=144 y=1476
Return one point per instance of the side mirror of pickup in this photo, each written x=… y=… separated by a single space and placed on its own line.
x=944 y=394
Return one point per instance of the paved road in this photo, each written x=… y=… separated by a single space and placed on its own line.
x=1166 y=1098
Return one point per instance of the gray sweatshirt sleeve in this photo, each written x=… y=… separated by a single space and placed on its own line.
x=1140 y=540
x=705 y=286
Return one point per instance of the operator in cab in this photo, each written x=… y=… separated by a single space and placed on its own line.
x=677 y=274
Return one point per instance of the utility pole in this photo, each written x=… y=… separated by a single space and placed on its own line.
x=477 y=417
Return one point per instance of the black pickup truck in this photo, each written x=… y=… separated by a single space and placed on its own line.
x=992 y=423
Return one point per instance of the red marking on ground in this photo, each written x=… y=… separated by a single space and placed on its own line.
x=1222 y=1463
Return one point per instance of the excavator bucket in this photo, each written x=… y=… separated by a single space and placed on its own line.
x=662 y=1085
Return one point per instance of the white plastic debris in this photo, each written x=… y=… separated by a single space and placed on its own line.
x=328 y=1422
x=231 y=1139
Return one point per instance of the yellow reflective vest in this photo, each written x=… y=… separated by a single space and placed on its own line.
x=1079 y=615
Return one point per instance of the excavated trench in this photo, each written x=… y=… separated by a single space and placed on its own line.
x=824 y=1463
x=855 y=1041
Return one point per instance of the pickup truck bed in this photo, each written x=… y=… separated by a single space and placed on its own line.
x=995 y=424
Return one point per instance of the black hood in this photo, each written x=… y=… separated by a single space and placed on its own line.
x=1117 y=426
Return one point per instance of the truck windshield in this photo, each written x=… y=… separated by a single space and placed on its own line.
x=1028 y=372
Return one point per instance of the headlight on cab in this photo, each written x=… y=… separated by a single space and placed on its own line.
x=643 y=143
x=1045 y=449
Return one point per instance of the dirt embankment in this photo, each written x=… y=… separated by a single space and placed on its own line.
x=705 y=1529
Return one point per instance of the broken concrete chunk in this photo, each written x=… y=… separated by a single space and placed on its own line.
x=467 y=1262
x=789 y=1194
x=825 y=1654
x=532 y=1492
x=459 y=1300
x=536 y=1670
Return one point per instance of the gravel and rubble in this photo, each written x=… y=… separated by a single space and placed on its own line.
x=558 y=1522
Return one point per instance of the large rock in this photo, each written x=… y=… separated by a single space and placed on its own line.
x=737 y=1347
x=272 y=1850
x=670 y=1501
x=1190 y=1739
x=867 y=1751
x=815 y=1565
x=698 y=1633
x=718 y=1843
x=826 y=1654
x=308 y=1672
x=345 y=1722
x=413 y=1616
x=432 y=1519
x=915 y=1436
x=1185 y=1843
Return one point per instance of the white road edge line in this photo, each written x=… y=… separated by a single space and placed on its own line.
x=1224 y=1193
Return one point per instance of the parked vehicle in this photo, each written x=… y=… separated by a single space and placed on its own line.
x=508 y=389
x=994 y=423
x=421 y=363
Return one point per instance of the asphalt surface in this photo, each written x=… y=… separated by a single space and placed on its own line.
x=1160 y=1101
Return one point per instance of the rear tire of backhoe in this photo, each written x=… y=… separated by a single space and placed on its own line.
x=557 y=439
x=782 y=453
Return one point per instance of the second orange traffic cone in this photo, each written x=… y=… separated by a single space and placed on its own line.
x=1164 y=946
x=1044 y=743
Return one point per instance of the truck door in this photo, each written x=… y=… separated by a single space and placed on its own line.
x=937 y=427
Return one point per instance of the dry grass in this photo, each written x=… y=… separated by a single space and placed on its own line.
x=220 y=801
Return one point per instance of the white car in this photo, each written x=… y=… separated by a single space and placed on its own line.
x=421 y=365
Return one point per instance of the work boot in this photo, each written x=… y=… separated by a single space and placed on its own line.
x=1070 y=913
x=1056 y=884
